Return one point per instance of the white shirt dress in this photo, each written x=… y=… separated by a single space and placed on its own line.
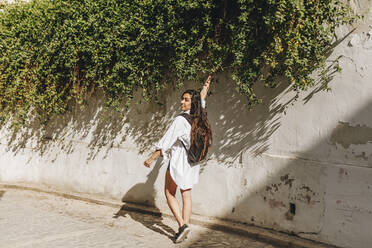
x=171 y=147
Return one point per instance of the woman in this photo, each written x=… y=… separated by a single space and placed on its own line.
x=179 y=172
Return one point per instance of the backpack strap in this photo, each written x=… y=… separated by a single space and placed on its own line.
x=187 y=117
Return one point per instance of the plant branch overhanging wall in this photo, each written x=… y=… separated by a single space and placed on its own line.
x=53 y=52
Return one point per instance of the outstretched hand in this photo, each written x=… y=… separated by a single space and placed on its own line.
x=153 y=157
x=148 y=162
x=204 y=91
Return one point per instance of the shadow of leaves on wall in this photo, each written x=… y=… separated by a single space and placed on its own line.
x=236 y=128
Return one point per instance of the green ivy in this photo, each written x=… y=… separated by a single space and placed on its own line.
x=54 y=52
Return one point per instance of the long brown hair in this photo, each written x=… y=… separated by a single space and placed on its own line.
x=200 y=126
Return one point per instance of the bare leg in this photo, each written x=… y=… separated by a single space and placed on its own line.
x=170 y=194
x=187 y=205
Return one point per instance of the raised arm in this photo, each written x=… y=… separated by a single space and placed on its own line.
x=204 y=91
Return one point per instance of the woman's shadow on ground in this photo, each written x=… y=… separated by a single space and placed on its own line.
x=153 y=218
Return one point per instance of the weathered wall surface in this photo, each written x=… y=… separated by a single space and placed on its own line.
x=300 y=166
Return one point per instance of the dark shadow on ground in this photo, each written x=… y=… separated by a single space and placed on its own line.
x=222 y=238
x=1 y=194
x=144 y=193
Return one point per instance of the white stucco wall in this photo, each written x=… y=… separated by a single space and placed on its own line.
x=314 y=152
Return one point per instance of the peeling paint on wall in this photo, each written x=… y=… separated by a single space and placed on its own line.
x=274 y=203
x=287 y=180
x=307 y=195
x=346 y=135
